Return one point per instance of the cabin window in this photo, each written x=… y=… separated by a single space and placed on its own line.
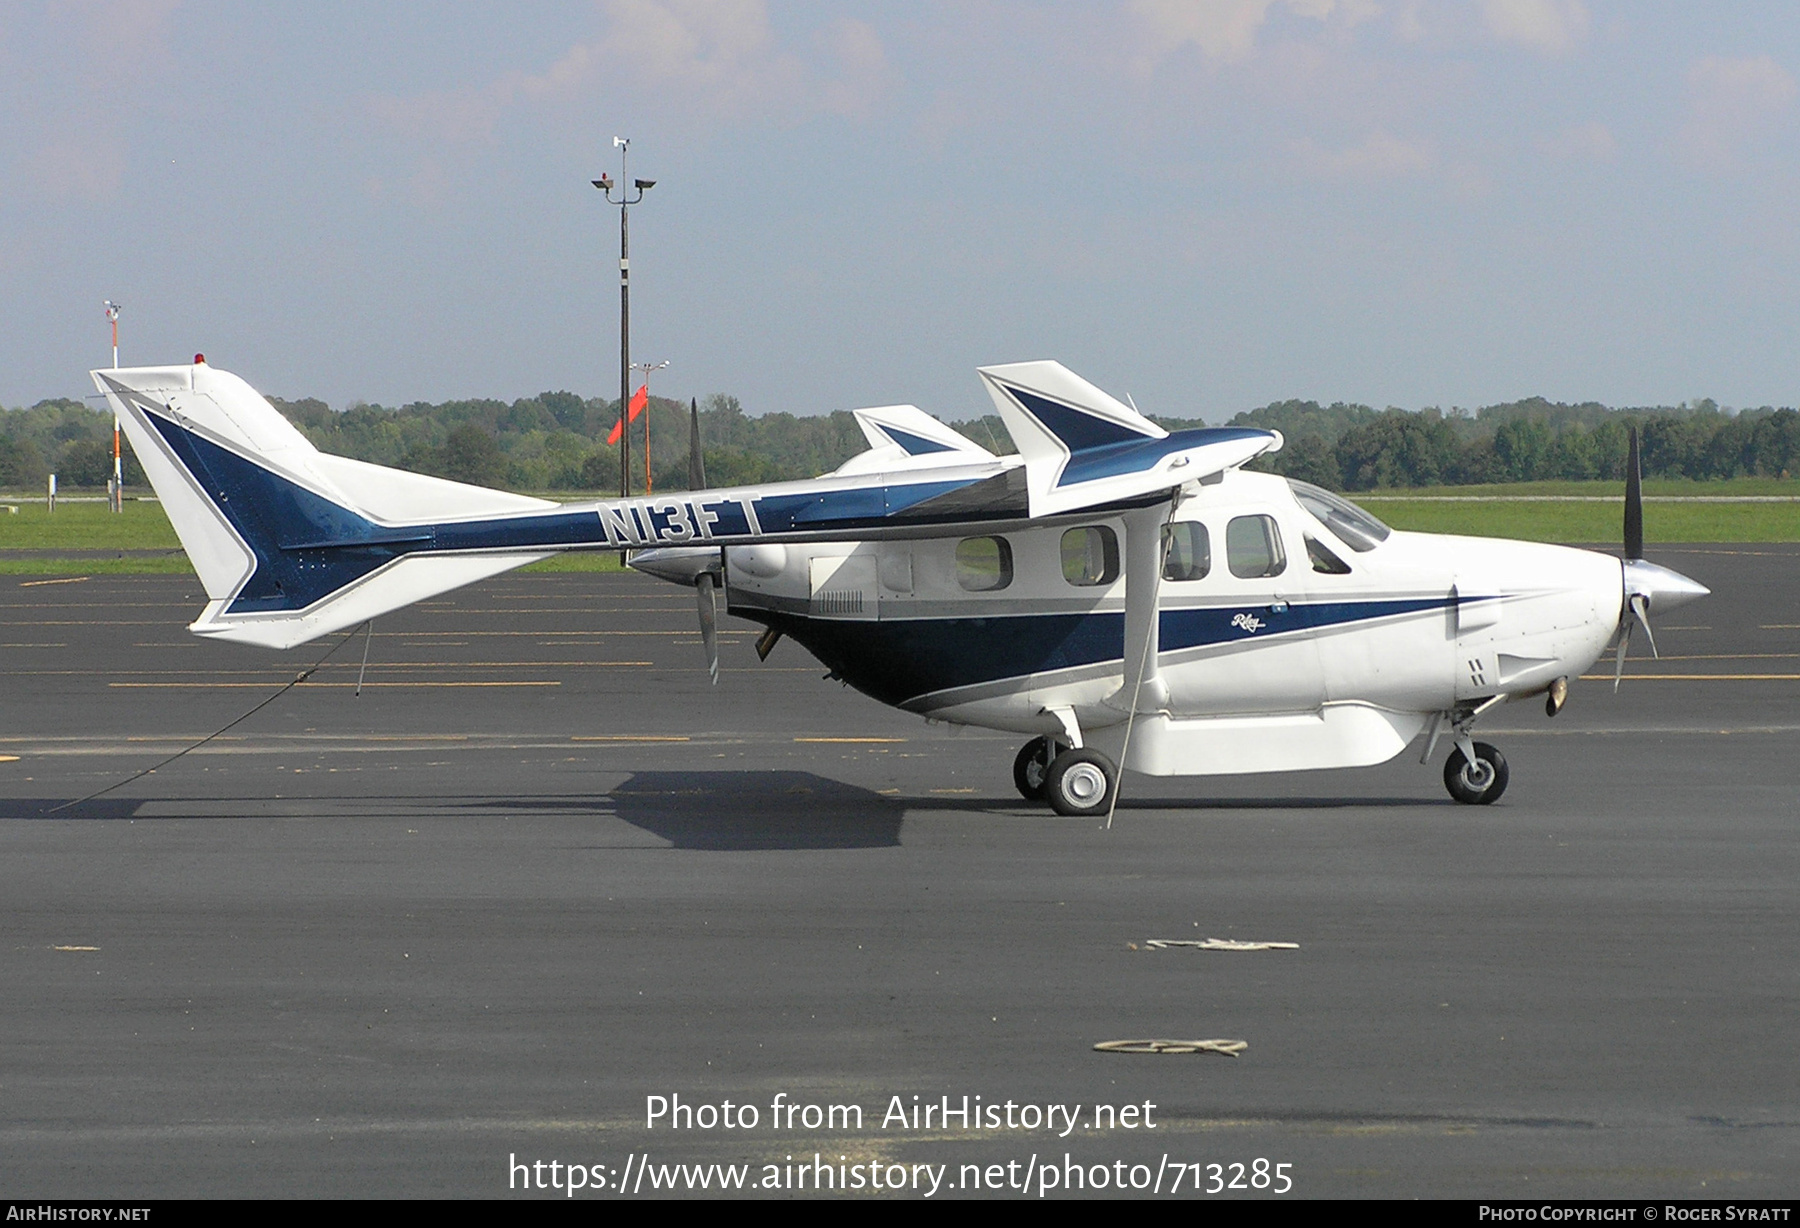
x=1090 y=555
x=1353 y=526
x=1323 y=560
x=983 y=564
x=1253 y=547
x=1187 y=551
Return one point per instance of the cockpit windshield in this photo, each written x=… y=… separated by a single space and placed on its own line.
x=1353 y=526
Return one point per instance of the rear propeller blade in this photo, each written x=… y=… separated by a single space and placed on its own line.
x=1634 y=502
x=696 y=466
x=1636 y=611
x=709 y=622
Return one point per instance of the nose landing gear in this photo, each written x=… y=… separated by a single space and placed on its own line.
x=1476 y=772
x=1479 y=782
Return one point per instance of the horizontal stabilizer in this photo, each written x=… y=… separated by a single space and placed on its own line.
x=1084 y=448
x=905 y=436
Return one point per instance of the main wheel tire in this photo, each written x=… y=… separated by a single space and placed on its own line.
x=1080 y=782
x=1476 y=784
x=1031 y=767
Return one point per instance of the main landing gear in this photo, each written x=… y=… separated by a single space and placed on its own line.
x=1075 y=781
x=1078 y=781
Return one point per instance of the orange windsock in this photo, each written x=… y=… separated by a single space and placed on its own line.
x=639 y=399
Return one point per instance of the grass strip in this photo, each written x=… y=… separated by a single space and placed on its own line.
x=144 y=526
x=1598 y=522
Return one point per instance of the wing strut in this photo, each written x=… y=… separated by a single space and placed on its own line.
x=1141 y=680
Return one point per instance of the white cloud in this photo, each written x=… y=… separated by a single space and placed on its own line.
x=863 y=75
x=1590 y=142
x=723 y=50
x=70 y=103
x=1551 y=26
x=717 y=58
x=1409 y=21
x=1225 y=30
x=1380 y=155
x=1734 y=104
x=132 y=28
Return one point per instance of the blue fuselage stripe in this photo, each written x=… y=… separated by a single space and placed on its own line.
x=902 y=659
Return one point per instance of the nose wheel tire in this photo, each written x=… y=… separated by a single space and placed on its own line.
x=1031 y=767
x=1080 y=782
x=1476 y=784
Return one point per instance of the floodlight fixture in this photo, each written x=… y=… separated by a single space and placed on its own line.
x=625 y=200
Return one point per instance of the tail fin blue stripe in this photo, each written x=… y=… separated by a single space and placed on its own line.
x=915 y=445
x=308 y=547
x=1078 y=431
x=276 y=519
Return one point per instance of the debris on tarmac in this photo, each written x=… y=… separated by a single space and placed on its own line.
x=1230 y=1048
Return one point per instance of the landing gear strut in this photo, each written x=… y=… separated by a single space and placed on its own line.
x=1477 y=783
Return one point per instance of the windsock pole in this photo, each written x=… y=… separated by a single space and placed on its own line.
x=118 y=473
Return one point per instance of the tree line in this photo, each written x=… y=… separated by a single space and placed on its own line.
x=1354 y=447
x=555 y=441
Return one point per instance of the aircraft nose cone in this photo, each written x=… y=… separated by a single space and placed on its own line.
x=677 y=564
x=1663 y=588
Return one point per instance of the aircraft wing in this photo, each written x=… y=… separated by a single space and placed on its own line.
x=291 y=543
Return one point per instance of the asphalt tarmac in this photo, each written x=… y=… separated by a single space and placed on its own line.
x=540 y=872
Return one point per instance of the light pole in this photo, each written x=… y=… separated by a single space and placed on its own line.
x=625 y=201
x=118 y=478
x=647 y=368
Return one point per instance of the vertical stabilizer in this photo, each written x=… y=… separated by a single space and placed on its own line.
x=291 y=543
x=1085 y=448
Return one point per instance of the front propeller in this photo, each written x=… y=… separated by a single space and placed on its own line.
x=701 y=566
x=707 y=593
x=705 y=585
x=1646 y=585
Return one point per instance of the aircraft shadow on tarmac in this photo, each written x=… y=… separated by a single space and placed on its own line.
x=720 y=810
x=691 y=810
x=757 y=810
x=747 y=810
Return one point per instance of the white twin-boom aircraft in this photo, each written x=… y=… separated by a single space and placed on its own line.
x=1128 y=596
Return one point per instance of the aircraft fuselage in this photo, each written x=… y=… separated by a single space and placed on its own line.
x=1265 y=617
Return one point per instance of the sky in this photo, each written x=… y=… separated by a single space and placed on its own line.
x=1205 y=204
